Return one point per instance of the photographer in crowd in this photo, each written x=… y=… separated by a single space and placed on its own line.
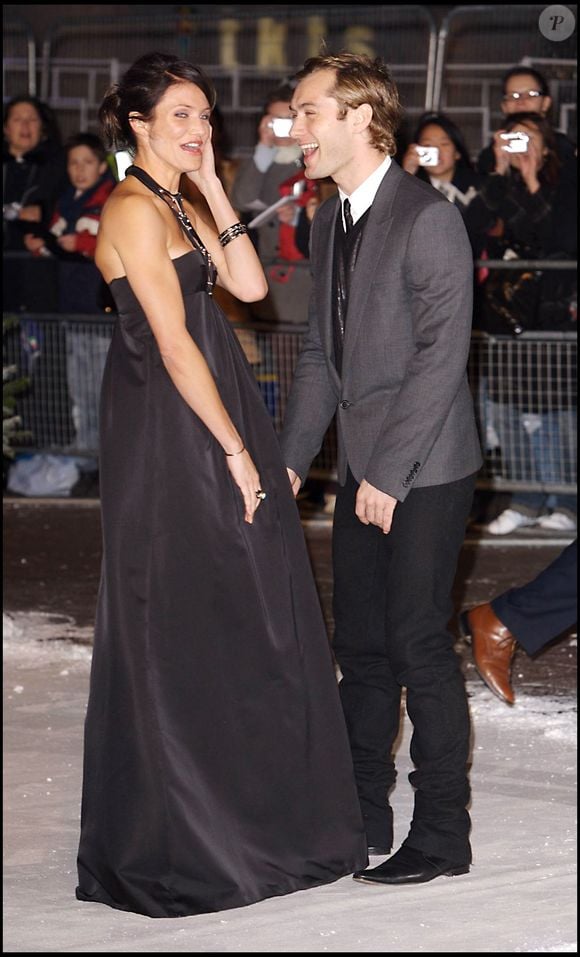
x=276 y=158
x=438 y=155
x=526 y=90
x=526 y=209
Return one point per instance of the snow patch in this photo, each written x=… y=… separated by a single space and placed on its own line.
x=40 y=636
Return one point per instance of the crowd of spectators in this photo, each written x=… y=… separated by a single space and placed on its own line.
x=517 y=199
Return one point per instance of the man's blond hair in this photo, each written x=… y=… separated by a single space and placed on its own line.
x=360 y=79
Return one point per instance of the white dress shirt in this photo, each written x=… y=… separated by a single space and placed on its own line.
x=364 y=194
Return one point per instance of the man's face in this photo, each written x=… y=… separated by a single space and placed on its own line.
x=523 y=95
x=327 y=141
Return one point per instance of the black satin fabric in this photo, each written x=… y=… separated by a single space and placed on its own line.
x=217 y=769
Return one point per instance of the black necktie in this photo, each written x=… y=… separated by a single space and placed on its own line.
x=347 y=215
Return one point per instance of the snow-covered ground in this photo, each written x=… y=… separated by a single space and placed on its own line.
x=520 y=896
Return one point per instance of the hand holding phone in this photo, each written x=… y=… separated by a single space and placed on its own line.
x=428 y=155
x=515 y=142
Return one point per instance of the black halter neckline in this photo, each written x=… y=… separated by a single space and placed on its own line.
x=175 y=203
x=139 y=173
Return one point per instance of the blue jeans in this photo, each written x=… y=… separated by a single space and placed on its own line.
x=86 y=353
x=538 y=447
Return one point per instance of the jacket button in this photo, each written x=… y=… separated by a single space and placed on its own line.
x=345 y=404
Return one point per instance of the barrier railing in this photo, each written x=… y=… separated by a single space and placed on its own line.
x=246 y=52
x=456 y=66
x=18 y=58
x=477 y=44
x=524 y=389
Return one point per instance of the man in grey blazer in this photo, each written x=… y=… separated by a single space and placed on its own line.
x=386 y=351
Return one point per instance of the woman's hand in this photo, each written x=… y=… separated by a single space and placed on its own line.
x=502 y=159
x=411 y=160
x=295 y=481
x=31 y=214
x=529 y=165
x=206 y=175
x=245 y=475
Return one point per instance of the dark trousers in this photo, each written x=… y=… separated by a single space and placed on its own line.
x=539 y=611
x=392 y=606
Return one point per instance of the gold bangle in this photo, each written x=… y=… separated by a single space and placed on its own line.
x=229 y=454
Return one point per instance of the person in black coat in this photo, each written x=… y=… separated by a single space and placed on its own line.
x=34 y=167
x=526 y=90
x=526 y=210
x=438 y=155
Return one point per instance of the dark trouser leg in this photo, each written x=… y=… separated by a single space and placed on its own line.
x=539 y=611
x=371 y=697
x=392 y=607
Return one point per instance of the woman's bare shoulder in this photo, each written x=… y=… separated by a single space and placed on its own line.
x=131 y=224
x=130 y=206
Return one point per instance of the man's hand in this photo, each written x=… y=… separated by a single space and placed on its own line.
x=295 y=481
x=374 y=507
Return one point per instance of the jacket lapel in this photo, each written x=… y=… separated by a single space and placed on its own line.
x=370 y=256
x=323 y=282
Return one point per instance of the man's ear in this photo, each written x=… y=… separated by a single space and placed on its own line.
x=363 y=115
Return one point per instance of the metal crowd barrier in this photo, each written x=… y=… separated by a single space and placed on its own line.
x=247 y=52
x=524 y=390
x=477 y=44
x=18 y=57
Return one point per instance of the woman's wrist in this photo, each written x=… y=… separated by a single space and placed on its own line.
x=238 y=452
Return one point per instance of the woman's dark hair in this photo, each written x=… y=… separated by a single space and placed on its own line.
x=140 y=90
x=550 y=170
x=50 y=129
x=539 y=80
x=452 y=131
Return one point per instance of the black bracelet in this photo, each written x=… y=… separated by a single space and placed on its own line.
x=232 y=232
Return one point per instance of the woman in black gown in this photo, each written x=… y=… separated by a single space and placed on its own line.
x=217 y=770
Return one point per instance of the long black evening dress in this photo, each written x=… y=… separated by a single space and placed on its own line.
x=217 y=769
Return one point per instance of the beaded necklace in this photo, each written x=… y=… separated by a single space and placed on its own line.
x=175 y=203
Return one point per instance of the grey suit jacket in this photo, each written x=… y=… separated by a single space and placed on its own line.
x=404 y=408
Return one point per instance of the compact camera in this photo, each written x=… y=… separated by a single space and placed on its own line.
x=428 y=155
x=10 y=211
x=515 y=142
x=280 y=126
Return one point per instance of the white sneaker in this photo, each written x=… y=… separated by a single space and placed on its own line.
x=557 y=522
x=508 y=521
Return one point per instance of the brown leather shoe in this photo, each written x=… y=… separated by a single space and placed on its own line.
x=493 y=648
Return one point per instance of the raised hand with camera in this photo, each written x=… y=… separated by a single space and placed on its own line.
x=438 y=155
